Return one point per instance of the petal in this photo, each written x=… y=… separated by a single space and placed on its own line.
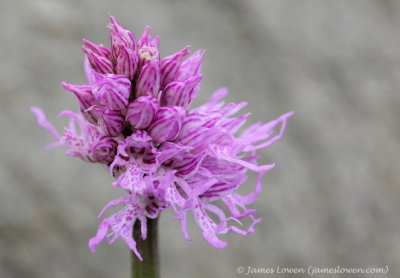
x=146 y=40
x=88 y=70
x=132 y=179
x=103 y=149
x=101 y=234
x=234 y=124
x=168 y=150
x=198 y=138
x=250 y=198
x=99 y=63
x=147 y=54
x=85 y=98
x=167 y=123
x=213 y=103
x=114 y=203
x=41 y=118
x=252 y=136
x=98 y=49
x=191 y=66
x=141 y=111
x=181 y=93
x=149 y=80
x=188 y=164
x=223 y=153
x=90 y=144
x=124 y=36
x=121 y=224
x=170 y=66
x=112 y=90
x=126 y=62
x=112 y=122
x=182 y=217
x=208 y=226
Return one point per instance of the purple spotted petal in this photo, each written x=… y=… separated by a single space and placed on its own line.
x=132 y=179
x=208 y=226
x=121 y=225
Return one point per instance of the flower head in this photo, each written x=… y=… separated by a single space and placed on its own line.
x=135 y=119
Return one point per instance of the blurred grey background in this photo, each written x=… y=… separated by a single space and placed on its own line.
x=334 y=197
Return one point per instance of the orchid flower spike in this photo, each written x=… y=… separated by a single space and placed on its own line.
x=135 y=119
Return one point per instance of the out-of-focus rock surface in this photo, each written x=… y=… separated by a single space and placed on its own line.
x=334 y=197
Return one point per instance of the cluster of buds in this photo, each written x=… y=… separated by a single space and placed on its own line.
x=134 y=119
x=131 y=89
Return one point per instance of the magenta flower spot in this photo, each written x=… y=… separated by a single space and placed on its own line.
x=135 y=119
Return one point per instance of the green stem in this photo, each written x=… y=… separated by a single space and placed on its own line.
x=148 y=248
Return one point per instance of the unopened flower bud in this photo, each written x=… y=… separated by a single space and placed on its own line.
x=181 y=93
x=191 y=66
x=120 y=36
x=112 y=90
x=146 y=39
x=85 y=98
x=98 y=49
x=147 y=54
x=167 y=123
x=104 y=149
x=117 y=28
x=127 y=61
x=141 y=111
x=98 y=57
x=112 y=122
x=170 y=66
x=149 y=80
